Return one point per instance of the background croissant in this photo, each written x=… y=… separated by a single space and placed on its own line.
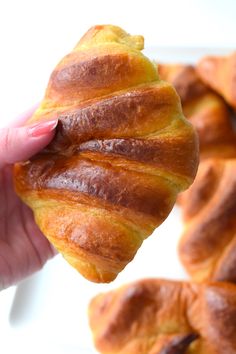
x=220 y=74
x=207 y=247
x=121 y=153
x=205 y=109
x=154 y=316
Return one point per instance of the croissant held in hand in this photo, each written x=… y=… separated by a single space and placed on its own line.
x=121 y=153
x=154 y=316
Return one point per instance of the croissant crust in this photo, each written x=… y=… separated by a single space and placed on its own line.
x=154 y=316
x=121 y=153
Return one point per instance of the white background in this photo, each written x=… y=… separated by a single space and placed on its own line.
x=47 y=313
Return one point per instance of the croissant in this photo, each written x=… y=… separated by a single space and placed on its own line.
x=219 y=73
x=154 y=316
x=121 y=153
x=185 y=80
x=205 y=109
x=207 y=247
x=204 y=243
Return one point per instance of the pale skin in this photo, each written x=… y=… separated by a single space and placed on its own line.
x=23 y=248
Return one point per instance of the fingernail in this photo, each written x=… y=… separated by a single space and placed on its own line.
x=42 y=128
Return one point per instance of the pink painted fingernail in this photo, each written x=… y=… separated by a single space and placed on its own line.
x=42 y=128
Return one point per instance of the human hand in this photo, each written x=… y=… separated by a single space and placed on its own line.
x=23 y=248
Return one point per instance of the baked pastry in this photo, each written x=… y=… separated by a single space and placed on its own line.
x=205 y=243
x=207 y=248
x=154 y=316
x=121 y=153
x=185 y=80
x=205 y=109
x=219 y=72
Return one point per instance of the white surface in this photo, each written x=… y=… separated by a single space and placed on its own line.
x=47 y=313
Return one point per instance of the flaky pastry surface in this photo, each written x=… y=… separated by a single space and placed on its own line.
x=121 y=153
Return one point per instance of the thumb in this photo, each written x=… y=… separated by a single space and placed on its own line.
x=19 y=144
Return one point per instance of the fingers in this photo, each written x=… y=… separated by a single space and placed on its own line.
x=20 y=143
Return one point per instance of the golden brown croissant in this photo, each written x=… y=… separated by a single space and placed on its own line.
x=208 y=246
x=220 y=74
x=185 y=80
x=121 y=153
x=206 y=110
x=154 y=316
x=210 y=116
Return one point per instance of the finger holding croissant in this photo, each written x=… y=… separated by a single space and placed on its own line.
x=121 y=153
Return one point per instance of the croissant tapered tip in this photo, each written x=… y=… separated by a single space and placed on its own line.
x=110 y=34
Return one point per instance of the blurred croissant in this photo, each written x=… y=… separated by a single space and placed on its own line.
x=204 y=108
x=207 y=248
x=121 y=153
x=207 y=239
x=155 y=316
x=219 y=73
